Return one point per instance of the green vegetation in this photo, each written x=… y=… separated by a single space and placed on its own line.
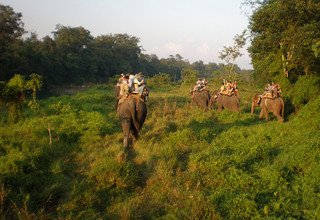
x=74 y=57
x=62 y=159
x=13 y=94
x=188 y=163
x=285 y=38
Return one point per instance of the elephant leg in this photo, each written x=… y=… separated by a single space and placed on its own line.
x=266 y=115
x=192 y=101
x=235 y=108
x=279 y=117
x=205 y=106
x=211 y=102
x=126 y=127
x=133 y=139
x=261 y=114
x=220 y=107
x=264 y=109
x=252 y=107
x=116 y=105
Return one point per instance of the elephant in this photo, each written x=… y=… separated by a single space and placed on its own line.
x=132 y=111
x=276 y=106
x=230 y=102
x=201 y=98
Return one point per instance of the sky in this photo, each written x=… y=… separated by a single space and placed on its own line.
x=195 y=29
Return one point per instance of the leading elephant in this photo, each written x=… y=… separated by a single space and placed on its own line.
x=275 y=105
x=132 y=111
x=201 y=98
x=230 y=102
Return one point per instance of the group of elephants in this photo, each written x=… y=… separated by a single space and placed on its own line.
x=205 y=100
x=133 y=110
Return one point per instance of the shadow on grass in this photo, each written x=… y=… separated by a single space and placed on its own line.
x=43 y=180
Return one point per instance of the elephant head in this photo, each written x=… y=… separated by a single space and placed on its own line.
x=213 y=98
x=256 y=100
x=132 y=111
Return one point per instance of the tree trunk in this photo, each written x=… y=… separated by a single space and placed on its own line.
x=49 y=133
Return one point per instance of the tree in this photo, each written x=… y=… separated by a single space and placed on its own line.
x=11 y=26
x=211 y=67
x=11 y=30
x=116 y=54
x=285 y=35
x=126 y=53
x=73 y=54
x=173 y=65
x=199 y=66
x=189 y=76
x=150 y=64
x=231 y=53
x=13 y=94
x=31 y=55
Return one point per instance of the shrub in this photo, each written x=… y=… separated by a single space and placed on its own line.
x=161 y=80
x=189 y=76
x=305 y=89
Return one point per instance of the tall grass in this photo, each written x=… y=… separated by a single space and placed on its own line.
x=187 y=164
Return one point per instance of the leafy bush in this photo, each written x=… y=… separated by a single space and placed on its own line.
x=189 y=76
x=305 y=89
x=158 y=81
x=14 y=92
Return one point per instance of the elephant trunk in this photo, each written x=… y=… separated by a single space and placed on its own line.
x=252 y=107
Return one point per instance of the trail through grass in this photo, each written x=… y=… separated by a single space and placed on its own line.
x=187 y=164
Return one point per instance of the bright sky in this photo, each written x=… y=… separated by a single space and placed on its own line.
x=195 y=29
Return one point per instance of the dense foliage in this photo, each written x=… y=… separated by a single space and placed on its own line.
x=14 y=93
x=285 y=38
x=73 y=56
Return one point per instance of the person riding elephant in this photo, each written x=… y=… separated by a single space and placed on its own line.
x=132 y=111
x=275 y=105
x=139 y=83
x=231 y=103
x=201 y=99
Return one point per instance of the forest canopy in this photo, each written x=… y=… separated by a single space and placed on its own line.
x=73 y=56
x=285 y=38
